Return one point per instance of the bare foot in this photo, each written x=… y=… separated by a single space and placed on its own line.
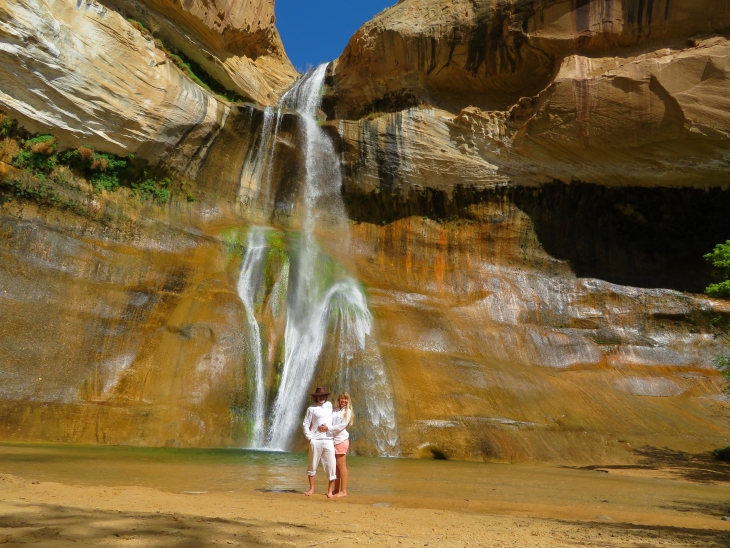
x=309 y=493
x=330 y=495
x=342 y=494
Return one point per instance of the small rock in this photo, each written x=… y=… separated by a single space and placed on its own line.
x=725 y=518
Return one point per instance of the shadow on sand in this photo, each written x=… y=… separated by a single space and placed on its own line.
x=52 y=525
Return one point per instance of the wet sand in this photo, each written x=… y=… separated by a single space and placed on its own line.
x=509 y=505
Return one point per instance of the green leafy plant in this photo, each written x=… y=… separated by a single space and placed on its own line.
x=235 y=241
x=42 y=194
x=38 y=155
x=719 y=258
x=106 y=171
x=6 y=125
x=152 y=188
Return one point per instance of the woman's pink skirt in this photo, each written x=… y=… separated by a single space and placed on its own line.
x=341 y=448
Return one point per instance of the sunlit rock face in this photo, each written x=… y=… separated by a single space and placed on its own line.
x=611 y=93
x=517 y=171
x=489 y=53
x=235 y=41
x=524 y=322
x=83 y=72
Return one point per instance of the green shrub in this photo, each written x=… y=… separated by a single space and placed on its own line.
x=722 y=454
x=38 y=155
x=6 y=125
x=42 y=144
x=719 y=258
x=105 y=171
x=105 y=181
x=151 y=188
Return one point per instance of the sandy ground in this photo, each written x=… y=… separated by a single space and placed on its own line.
x=53 y=514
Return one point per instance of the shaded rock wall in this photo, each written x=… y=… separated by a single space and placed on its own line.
x=626 y=235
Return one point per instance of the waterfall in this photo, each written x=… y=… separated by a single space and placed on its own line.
x=324 y=302
x=308 y=311
x=248 y=286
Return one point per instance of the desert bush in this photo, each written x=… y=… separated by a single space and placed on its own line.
x=151 y=188
x=43 y=144
x=7 y=125
x=38 y=155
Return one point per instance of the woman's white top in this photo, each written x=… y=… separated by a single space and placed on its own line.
x=340 y=420
x=316 y=416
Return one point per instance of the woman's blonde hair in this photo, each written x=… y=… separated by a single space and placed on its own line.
x=349 y=417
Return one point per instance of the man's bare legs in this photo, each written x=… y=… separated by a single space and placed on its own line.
x=311 y=486
x=341 y=475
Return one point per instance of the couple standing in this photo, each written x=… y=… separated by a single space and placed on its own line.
x=326 y=430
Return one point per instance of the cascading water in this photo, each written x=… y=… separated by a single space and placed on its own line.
x=324 y=303
x=248 y=286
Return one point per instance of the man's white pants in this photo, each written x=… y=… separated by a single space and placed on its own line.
x=325 y=450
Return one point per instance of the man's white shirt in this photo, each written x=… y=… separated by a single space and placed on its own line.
x=316 y=416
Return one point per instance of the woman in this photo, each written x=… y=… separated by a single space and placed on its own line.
x=342 y=417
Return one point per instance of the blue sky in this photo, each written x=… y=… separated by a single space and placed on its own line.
x=315 y=31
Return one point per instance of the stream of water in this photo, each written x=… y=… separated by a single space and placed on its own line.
x=325 y=303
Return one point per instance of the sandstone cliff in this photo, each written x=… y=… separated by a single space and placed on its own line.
x=98 y=79
x=95 y=79
x=531 y=187
x=610 y=93
x=235 y=41
x=490 y=53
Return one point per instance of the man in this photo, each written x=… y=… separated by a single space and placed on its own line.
x=321 y=445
